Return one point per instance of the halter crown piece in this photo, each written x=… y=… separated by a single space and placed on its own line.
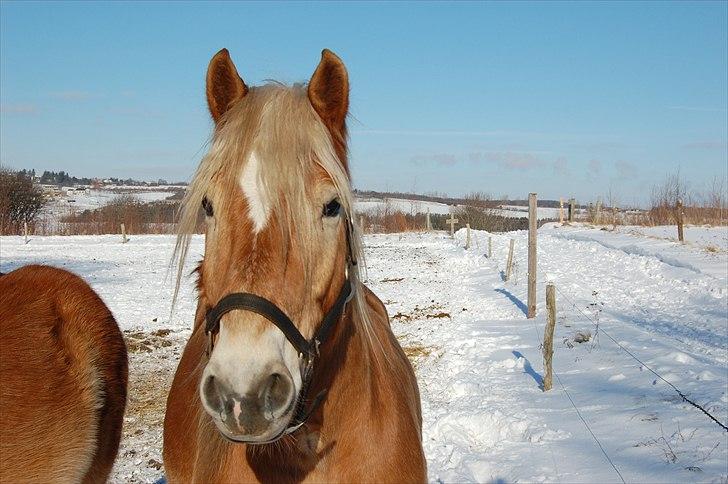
x=308 y=350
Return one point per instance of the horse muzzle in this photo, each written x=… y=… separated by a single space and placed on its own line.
x=260 y=415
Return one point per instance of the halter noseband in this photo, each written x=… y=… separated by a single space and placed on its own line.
x=307 y=349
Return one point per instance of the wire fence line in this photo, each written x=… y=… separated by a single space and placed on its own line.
x=682 y=394
x=578 y=413
x=631 y=354
x=576 y=409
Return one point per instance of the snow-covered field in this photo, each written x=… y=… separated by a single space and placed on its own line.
x=364 y=205
x=93 y=199
x=368 y=205
x=476 y=355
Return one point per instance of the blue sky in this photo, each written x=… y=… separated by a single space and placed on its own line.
x=559 y=98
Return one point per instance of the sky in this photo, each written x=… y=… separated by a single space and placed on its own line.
x=563 y=99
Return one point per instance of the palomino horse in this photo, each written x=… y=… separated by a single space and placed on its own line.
x=292 y=372
x=63 y=375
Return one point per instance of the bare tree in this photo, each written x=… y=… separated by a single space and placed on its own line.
x=20 y=201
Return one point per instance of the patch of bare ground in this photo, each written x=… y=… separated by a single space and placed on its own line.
x=713 y=249
x=140 y=341
x=416 y=352
x=153 y=358
x=434 y=311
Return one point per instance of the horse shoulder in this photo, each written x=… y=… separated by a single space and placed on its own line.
x=397 y=443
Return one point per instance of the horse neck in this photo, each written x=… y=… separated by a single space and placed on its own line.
x=344 y=367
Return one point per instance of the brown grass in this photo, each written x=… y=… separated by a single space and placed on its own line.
x=417 y=352
x=707 y=205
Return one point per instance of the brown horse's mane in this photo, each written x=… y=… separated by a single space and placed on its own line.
x=279 y=123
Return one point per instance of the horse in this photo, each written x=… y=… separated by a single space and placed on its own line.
x=63 y=377
x=292 y=372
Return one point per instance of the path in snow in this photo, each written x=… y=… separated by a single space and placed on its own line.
x=485 y=417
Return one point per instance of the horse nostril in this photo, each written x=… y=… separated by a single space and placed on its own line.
x=212 y=395
x=276 y=395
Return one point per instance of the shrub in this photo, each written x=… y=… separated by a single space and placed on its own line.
x=20 y=201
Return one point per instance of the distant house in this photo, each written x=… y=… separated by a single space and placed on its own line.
x=50 y=190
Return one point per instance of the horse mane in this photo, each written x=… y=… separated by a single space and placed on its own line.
x=281 y=125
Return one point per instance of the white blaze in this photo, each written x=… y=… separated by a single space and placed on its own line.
x=254 y=190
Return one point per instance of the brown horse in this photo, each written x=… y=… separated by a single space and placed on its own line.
x=292 y=372
x=63 y=375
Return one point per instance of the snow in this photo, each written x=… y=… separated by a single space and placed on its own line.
x=476 y=356
x=365 y=205
x=705 y=251
x=542 y=213
x=93 y=199
x=368 y=205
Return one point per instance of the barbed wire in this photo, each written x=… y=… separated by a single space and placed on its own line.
x=601 y=329
x=679 y=392
x=576 y=409
x=573 y=404
x=633 y=356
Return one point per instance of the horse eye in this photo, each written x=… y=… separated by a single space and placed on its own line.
x=207 y=206
x=332 y=208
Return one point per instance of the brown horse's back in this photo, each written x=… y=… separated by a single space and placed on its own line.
x=63 y=376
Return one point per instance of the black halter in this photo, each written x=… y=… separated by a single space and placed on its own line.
x=308 y=350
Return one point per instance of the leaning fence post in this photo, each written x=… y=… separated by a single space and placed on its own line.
x=561 y=210
x=679 y=210
x=509 y=264
x=123 y=234
x=25 y=231
x=548 y=337
x=467 y=236
x=532 y=242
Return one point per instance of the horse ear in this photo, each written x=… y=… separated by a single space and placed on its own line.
x=328 y=92
x=224 y=85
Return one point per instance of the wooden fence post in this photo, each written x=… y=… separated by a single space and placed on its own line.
x=467 y=236
x=25 y=231
x=572 y=209
x=123 y=234
x=509 y=264
x=598 y=212
x=548 y=337
x=679 y=210
x=490 y=247
x=561 y=210
x=532 y=240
